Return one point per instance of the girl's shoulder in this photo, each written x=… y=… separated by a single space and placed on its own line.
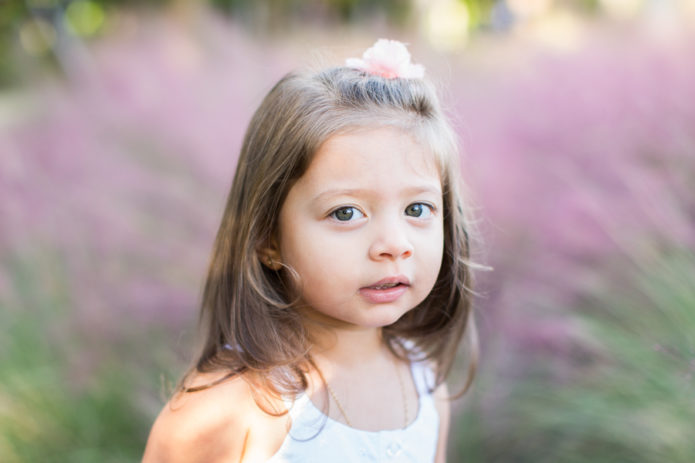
x=220 y=423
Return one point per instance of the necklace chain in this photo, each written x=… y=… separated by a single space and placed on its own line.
x=337 y=402
x=400 y=382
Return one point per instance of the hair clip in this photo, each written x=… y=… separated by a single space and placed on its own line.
x=389 y=59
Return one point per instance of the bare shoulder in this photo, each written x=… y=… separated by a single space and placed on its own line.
x=219 y=423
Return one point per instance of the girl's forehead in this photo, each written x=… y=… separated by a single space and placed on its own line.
x=371 y=156
x=367 y=146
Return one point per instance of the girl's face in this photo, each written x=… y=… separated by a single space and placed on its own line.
x=363 y=228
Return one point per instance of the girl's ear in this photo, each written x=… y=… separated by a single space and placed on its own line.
x=269 y=255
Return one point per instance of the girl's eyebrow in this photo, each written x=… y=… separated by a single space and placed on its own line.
x=425 y=188
x=414 y=190
x=340 y=192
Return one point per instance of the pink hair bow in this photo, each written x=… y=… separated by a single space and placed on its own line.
x=389 y=59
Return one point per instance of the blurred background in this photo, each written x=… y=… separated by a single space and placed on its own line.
x=120 y=124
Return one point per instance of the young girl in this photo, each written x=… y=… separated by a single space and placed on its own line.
x=338 y=290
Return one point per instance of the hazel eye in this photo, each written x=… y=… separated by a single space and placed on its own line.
x=419 y=210
x=345 y=214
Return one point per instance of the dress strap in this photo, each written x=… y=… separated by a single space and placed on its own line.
x=423 y=377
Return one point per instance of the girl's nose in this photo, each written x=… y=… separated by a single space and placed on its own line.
x=391 y=243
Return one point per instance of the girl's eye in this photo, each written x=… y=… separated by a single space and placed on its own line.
x=419 y=210
x=347 y=213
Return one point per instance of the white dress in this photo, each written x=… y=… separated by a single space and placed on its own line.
x=316 y=438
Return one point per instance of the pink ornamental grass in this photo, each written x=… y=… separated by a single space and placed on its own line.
x=580 y=162
x=575 y=153
x=125 y=169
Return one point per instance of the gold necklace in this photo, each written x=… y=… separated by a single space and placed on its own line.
x=342 y=410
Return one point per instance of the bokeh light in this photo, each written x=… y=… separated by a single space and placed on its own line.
x=84 y=18
x=446 y=23
x=37 y=36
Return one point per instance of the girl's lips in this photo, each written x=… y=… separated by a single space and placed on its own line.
x=391 y=281
x=379 y=294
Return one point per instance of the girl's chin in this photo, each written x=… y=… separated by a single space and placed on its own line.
x=330 y=323
x=376 y=316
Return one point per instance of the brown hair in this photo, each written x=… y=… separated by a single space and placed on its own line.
x=248 y=312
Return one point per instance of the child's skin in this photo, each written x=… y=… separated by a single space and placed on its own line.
x=367 y=211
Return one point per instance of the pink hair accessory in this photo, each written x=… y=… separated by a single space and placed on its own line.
x=389 y=59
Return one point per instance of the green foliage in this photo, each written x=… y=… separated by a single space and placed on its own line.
x=628 y=399
x=11 y=13
x=54 y=406
x=479 y=11
x=32 y=31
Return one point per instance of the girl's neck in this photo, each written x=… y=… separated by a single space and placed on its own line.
x=348 y=347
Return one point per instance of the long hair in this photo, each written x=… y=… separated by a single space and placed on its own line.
x=248 y=314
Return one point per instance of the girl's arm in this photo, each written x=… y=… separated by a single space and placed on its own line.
x=200 y=426
x=222 y=423
x=441 y=400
